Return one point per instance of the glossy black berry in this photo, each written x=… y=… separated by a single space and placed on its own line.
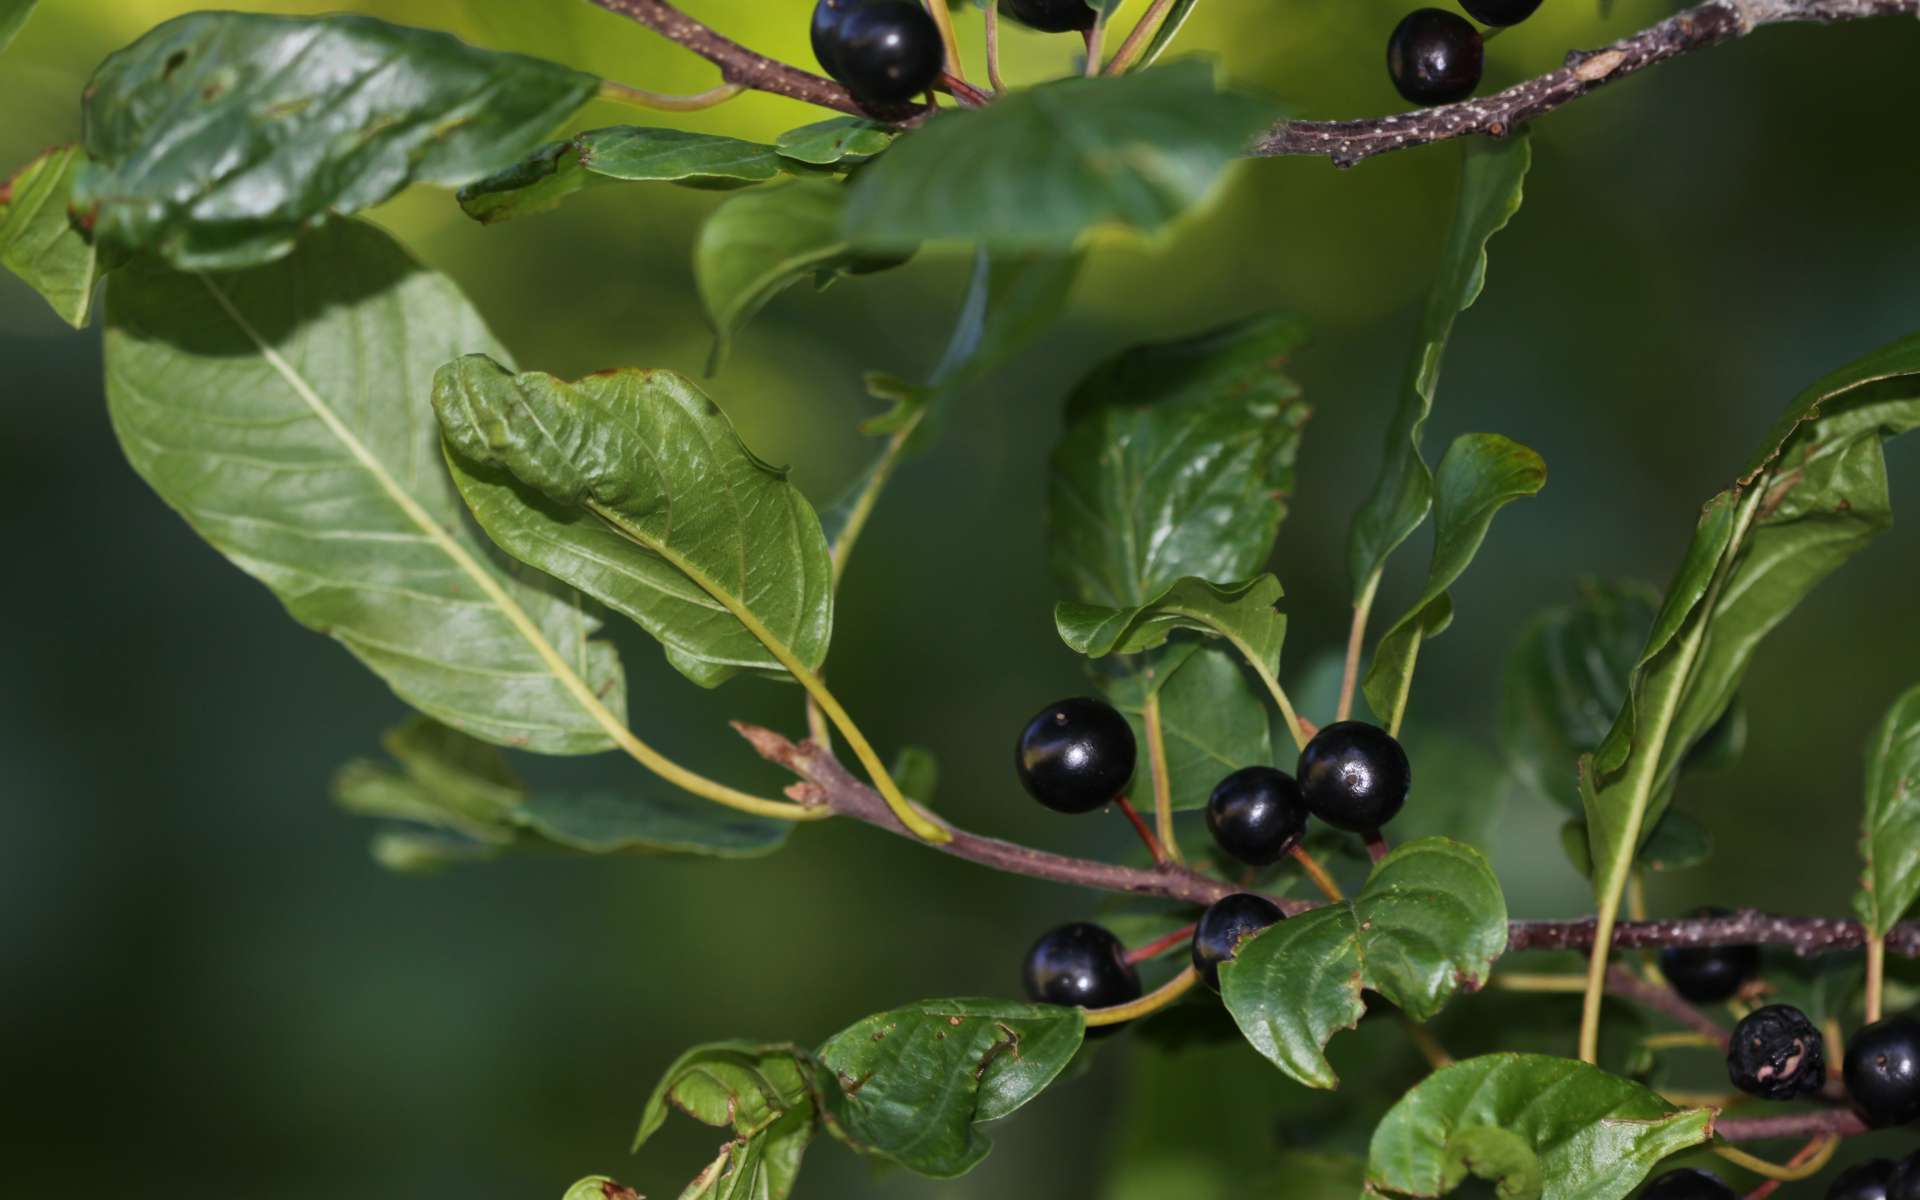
x=1075 y=755
x=1777 y=1054
x=1500 y=12
x=1080 y=965
x=1256 y=815
x=1050 y=16
x=1903 y=1182
x=1863 y=1181
x=1882 y=1071
x=885 y=51
x=1354 y=775
x=1709 y=974
x=1222 y=927
x=1435 y=56
x=1687 y=1184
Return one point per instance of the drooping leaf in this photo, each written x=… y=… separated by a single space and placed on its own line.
x=756 y=245
x=1480 y=474
x=37 y=241
x=13 y=15
x=461 y=801
x=1177 y=461
x=1890 y=829
x=1212 y=719
x=1041 y=165
x=1243 y=613
x=633 y=487
x=1815 y=496
x=834 y=141
x=220 y=137
x=1549 y=1127
x=768 y=1095
x=1430 y=921
x=917 y=1080
x=284 y=413
x=1491 y=182
x=620 y=154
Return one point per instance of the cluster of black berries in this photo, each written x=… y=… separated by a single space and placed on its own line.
x=1435 y=56
x=889 y=51
x=1078 y=755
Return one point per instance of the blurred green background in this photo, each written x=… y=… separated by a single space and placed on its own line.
x=212 y=991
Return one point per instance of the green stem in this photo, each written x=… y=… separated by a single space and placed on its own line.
x=1152 y=1002
x=1136 y=41
x=1876 y=976
x=1162 y=785
x=1356 y=640
x=1644 y=770
x=663 y=102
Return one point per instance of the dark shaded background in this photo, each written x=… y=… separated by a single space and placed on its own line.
x=211 y=991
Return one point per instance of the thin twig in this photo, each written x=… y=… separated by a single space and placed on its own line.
x=1162 y=784
x=993 y=48
x=622 y=93
x=1140 y=827
x=1696 y=28
x=1664 y=1000
x=1161 y=945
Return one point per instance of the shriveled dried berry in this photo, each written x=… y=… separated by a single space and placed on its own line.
x=1776 y=1053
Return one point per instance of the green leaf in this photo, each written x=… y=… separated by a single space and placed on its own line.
x=600 y=1187
x=263 y=408
x=1491 y=182
x=1678 y=843
x=1243 y=613
x=756 y=245
x=1565 y=681
x=13 y=15
x=449 y=782
x=1549 y=1127
x=766 y=1094
x=917 y=772
x=37 y=241
x=1890 y=830
x=621 y=154
x=1041 y=165
x=633 y=487
x=1480 y=474
x=1212 y=720
x=1430 y=921
x=1177 y=461
x=219 y=138
x=1815 y=496
x=918 y=1079
x=1170 y=26
x=834 y=141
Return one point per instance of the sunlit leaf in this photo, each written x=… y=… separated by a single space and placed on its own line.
x=621 y=154
x=835 y=140
x=39 y=243
x=633 y=487
x=220 y=137
x=767 y=1095
x=1243 y=613
x=1890 y=830
x=1213 y=720
x=284 y=412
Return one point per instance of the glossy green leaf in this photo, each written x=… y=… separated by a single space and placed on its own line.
x=1565 y=680
x=469 y=805
x=1480 y=474
x=1213 y=721
x=1177 y=461
x=1890 y=830
x=1812 y=499
x=39 y=243
x=621 y=154
x=1549 y=1127
x=1041 y=165
x=1170 y=27
x=918 y=1079
x=1430 y=921
x=633 y=487
x=1243 y=613
x=601 y=1187
x=1678 y=843
x=13 y=15
x=834 y=141
x=284 y=413
x=220 y=137
x=756 y=245
x=766 y=1094
x=1491 y=183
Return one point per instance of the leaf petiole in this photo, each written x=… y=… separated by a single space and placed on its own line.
x=713 y=97
x=1150 y=1003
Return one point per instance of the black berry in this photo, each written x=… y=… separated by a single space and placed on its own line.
x=1435 y=56
x=884 y=51
x=1050 y=16
x=1687 y=1184
x=1080 y=965
x=1882 y=1071
x=1075 y=756
x=1500 y=12
x=1709 y=974
x=1256 y=815
x=1903 y=1182
x=1863 y=1181
x=1354 y=776
x=1224 y=925
x=1776 y=1053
